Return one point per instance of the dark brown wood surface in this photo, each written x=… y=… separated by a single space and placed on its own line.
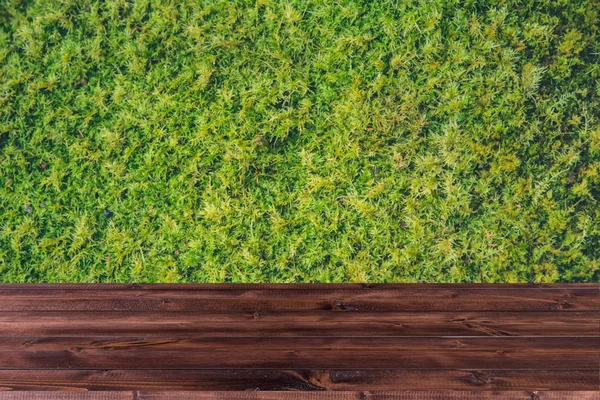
x=300 y=352
x=296 y=323
x=299 y=380
x=561 y=298
x=406 y=395
x=333 y=341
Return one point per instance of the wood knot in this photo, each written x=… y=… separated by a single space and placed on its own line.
x=479 y=378
x=561 y=305
x=367 y=285
x=340 y=305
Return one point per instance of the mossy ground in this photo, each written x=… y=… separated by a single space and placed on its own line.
x=306 y=140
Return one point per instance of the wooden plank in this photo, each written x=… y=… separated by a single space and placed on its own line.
x=299 y=380
x=408 y=299
x=406 y=395
x=311 y=353
x=300 y=323
x=72 y=395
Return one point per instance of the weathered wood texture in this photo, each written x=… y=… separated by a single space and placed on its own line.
x=563 y=298
x=296 y=323
x=359 y=341
x=407 y=395
x=312 y=352
x=299 y=380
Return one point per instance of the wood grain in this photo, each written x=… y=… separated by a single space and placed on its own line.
x=409 y=395
x=198 y=341
x=366 y=300
x=312 y=353
x=28 y=395
x=406 y=395
x=297 y=323
x=299 y=380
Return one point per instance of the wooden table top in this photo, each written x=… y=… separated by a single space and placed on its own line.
x=272 y=341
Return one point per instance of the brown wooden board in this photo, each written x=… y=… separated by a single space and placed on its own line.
x=299 y=380
x=300 y=352
x=409 y=395
x=406 y=395
x=352 y=299
x=354 y=340
x=297 y=323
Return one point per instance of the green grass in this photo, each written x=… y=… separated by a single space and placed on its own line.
x=299 y=141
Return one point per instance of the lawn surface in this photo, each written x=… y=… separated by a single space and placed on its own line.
x=309 y=140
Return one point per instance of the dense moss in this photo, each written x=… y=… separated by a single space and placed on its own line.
x=308 y=140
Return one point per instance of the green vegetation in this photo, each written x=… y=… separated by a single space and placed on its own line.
x=306 y=140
